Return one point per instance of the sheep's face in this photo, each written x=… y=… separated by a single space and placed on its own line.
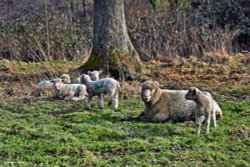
x=65 y=78
x=148 y=90
x=94 y=75
x=192 y=93
x=58 y=84
x=85 y=78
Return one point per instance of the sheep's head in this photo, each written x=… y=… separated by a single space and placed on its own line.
x=58 y=83
x=94 y=75
x=65 y=78
x=192 y=93
x=149 y=88
x=85 y=78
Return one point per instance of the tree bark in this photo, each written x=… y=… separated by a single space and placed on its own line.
x=112 y=49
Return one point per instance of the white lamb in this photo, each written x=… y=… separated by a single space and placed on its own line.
x=44 y=84
x=49 y=84
x=70 y=91
x=205 y=108
x=65 y=78
x=106 y=85
x=94 y=75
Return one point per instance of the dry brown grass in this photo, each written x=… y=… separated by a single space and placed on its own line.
x=232 y=77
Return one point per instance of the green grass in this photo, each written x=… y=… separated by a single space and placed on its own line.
x=53 y=132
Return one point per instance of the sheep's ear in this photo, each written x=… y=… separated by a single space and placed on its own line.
x=100 y=71
x=194 y=92
x=89 y=72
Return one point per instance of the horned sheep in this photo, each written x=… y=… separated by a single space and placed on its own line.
x=106 y=85
x=70 y=91
x=205 y=109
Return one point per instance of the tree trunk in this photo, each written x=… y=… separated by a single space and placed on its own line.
x=112 y=49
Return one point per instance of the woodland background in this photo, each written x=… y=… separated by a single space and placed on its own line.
x=183 y=43
x=42 y=30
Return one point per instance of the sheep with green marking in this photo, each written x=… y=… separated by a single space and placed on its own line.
x=107 y=86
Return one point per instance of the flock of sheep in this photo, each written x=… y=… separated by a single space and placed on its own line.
x=160 y=104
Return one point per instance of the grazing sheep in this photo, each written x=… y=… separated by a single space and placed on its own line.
x=94 y=76
x=205 y=108
x=165 y=105
x=106 y=85
x=70 y=91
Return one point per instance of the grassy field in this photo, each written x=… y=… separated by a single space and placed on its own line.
x=36 y=131
x=51 y=132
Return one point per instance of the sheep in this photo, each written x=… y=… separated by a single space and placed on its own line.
x=206 y=107
x=162 y=105
x=218 y=111
x=49 y=84
x=94 y=75
x=106 y=85
x=65 y=78
x=45 y=86
x=69 y=91
x=42 y=88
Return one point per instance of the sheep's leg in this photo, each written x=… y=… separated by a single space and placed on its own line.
x=198 y=123
x=214 y=117
x=114 y=100
x=81 y=94
x=208 y=120
x=68 y=97
x=139 y=117
x=101 y=103
x=75 y=98
x=160 y=117
x=89 y=101
x=113 y=94
x=61 y=96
